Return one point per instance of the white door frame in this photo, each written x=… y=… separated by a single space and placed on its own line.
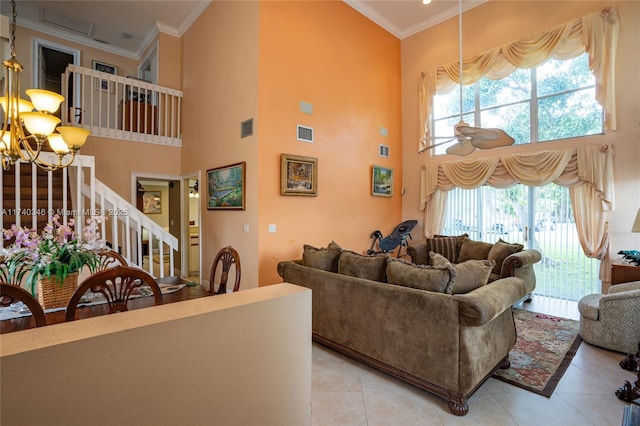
x=184 y=211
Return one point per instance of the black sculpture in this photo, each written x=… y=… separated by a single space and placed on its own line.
x=632 y=255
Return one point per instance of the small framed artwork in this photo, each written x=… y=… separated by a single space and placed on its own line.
x=226 y=187
x=298 y=175
x=105 y=85
x=151 y=202
x=382 y=182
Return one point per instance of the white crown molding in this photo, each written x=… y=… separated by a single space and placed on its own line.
x=375 y=17
x=402 y=33
x=54 y=32
x=195 y=12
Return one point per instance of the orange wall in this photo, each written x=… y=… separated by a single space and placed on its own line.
x=331 y=56
x=219 y=83
x=494 y=23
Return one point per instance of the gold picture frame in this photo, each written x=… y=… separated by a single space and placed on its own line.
x=298 y=175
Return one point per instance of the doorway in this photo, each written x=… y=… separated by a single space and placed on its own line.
x=50 y=62
x=192 y=226
x=159 y=199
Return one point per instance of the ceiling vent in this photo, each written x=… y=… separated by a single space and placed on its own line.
x=67 y=22
x=305 y=134
x=246 y=128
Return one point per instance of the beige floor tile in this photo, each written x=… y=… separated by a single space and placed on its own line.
x=400 y=409
x=599 y=410
x=335 y=376
x=536 y=410
x=337 y=408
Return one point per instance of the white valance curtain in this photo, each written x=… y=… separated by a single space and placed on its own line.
x=586 y=171
x=596 y=34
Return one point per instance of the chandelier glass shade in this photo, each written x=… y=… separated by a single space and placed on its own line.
x=27 y=125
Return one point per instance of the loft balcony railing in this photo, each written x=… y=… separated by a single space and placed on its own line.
x=123 y=108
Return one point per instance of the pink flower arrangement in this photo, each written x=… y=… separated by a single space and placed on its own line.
x=56 y=252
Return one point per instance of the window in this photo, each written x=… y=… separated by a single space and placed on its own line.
x=554 y=101
x=539 y=218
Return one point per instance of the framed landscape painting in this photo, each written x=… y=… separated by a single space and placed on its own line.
x=382 y=182
x=298 y=175
x=226 y=187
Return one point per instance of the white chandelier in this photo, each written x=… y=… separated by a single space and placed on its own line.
x=36 y=117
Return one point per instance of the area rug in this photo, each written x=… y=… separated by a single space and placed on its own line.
x=543 y=351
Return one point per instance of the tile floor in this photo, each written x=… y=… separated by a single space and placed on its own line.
x=346 y=392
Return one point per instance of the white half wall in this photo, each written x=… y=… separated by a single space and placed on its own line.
x=236 y=359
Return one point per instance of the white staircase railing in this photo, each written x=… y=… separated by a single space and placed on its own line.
x=121 y=107
x=126 y=228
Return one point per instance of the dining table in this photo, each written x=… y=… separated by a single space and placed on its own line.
x=188 y=292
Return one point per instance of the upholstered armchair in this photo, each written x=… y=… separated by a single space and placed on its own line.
x=612 y=320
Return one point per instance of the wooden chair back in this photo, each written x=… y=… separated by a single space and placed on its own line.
x=116 y=285
x=226 y=257
x=109 y=259
x=10 y=294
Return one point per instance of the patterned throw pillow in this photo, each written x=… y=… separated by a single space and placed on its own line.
x=322 y=258
x=447 y=246
x=470 y=274
x=358 y=265
x=500 y=251
x=431 y=278
x=474 y=250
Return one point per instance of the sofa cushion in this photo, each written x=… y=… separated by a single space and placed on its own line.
x=361 y=266
x=448 y=247
x=474 y=250
x=431 y=278
x=325 y=258
x=500 y=251
x=470 y=274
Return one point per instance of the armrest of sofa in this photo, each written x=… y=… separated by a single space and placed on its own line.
x=281 y=266
x=619 y=288
x=487 y=302
x=419 y=254
x=520 y=265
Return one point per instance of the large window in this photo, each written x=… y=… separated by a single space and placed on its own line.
x=539 y=218
x=554 y=101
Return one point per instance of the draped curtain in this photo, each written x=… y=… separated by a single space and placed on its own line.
x=586 y=171
x=596 y=34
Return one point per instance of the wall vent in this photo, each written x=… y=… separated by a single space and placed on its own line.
x=305 y=134
x=246 y=128
x=383 y=151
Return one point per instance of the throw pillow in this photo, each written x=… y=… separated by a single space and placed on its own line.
x=322 y=258
x=470 y=274
x=500 y=251
x=431 y=278
x=449 y=247
x=362 y=266
x=474 y=250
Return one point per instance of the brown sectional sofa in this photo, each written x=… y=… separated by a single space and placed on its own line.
x=447 y=344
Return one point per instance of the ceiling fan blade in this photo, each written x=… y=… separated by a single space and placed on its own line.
x=461 y=148
x=502 y=139
x=450 y=139
x=478 y=132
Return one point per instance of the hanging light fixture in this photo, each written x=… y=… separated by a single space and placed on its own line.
x=193 y=191
x=26 y=123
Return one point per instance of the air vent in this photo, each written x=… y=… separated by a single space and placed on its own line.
x=305 y=134
x=246 y=128
x=67 y=22
x=383 y=151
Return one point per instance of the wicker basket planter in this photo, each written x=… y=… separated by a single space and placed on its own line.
x=53 y=295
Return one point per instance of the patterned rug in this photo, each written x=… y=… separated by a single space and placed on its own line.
x=542 y=353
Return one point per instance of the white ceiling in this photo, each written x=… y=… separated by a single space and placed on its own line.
x=104 y=20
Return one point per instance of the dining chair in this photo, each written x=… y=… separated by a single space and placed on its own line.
x=226 y=257
x=10 y=294
x=110 y=258
x=115 y=287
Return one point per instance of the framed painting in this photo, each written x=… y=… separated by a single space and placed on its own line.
x=298 y=175
x=226 y=187
x=382 y=182
x=151 y=202
x=105 y=85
